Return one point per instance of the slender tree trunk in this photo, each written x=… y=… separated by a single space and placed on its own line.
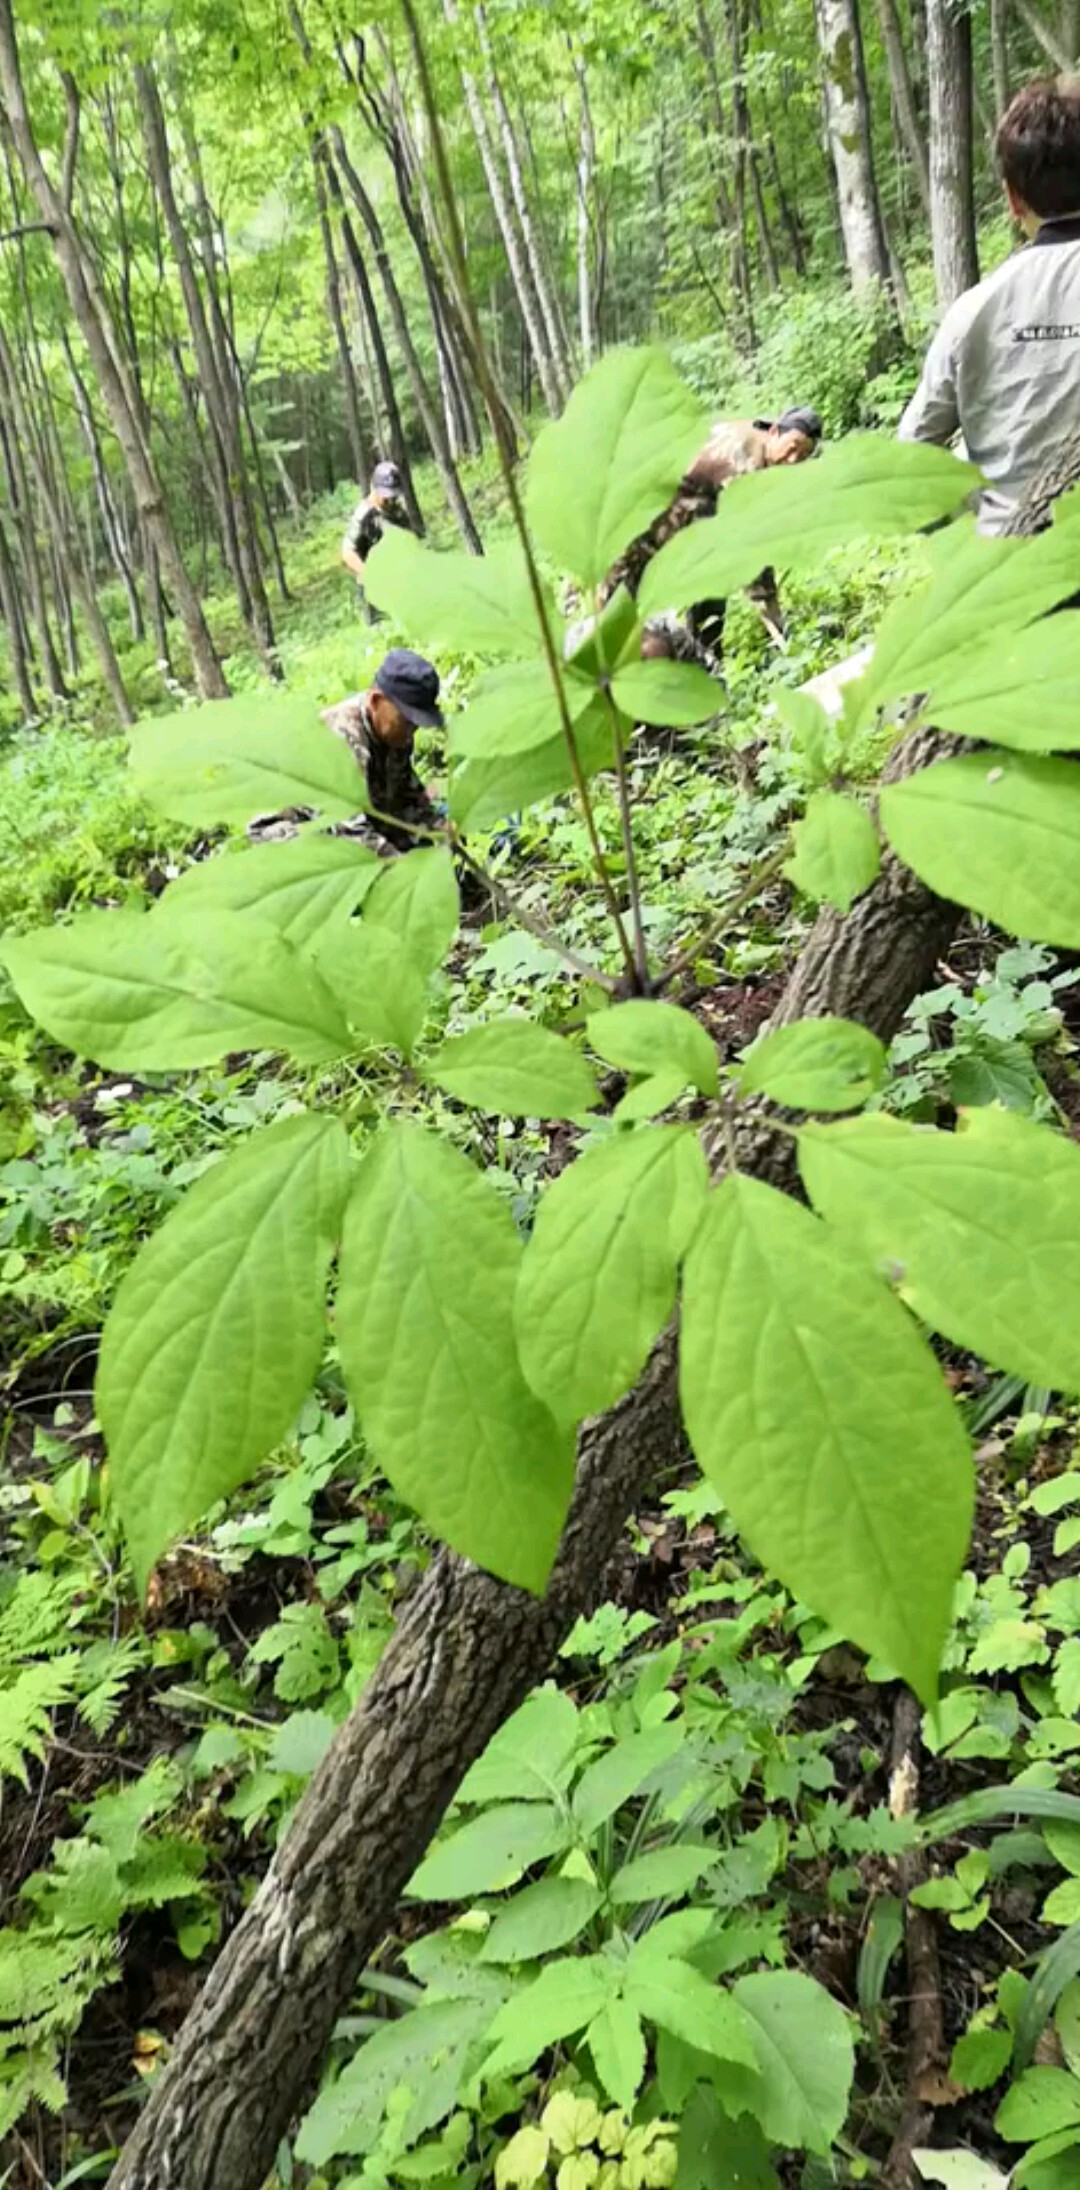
x=952 y=196
x=903 y=97
x=107 y=509
x=788 y=213
x=92 y=317
x=362 y=454
x=524 y=136
x=65 y=611
x=917 y=13
x=999 y=54
x=155 y=605
x=26 y=536
x=369 y=319
x=17 y=653
x=849 y=139
x=538 y=268
x=586 y=169
x=61 y=522
x=225 y=445
x=505 y=218
x=425 y=404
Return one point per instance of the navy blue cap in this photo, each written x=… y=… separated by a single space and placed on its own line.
x=413 y=685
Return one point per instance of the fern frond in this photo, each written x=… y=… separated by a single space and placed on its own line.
x=104 y=1674
x=25 y=1707
x=117 y=1818
x=26 y=2077
x=36 y=1620
x=163 y=1870
x=45 y=1984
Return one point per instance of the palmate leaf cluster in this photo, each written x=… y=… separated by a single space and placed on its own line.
x=809 y=1394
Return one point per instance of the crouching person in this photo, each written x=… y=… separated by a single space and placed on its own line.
x=379 y=726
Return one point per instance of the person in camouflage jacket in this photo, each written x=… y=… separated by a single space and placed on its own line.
x=735 y=447
x=379 y=727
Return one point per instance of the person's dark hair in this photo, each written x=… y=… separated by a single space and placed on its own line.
x=1038 y=146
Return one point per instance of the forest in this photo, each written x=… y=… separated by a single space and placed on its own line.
x=539 y=1108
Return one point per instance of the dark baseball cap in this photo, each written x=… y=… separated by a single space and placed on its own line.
x=386 y=478
x=800 y=419
x=413 y=685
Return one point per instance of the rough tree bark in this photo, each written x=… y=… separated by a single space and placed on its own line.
x=94 y=321
x=849 y=142
x=952 y=193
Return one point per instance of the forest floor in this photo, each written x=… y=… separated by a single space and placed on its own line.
x=149 y=1765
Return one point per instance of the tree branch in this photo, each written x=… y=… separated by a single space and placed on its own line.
x=27 y=228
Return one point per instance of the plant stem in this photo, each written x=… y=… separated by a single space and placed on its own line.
x=511 y=905
x=633 y=886
x=456 y=242
x=755 y=881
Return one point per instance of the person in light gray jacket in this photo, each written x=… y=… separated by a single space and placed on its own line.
x=1003 y=369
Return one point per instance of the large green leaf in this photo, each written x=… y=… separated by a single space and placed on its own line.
x=299 y=888
x=529 y=1758
x=214 y=1338
x=490 y=1852
x=675 y=1995
x=714 y=2148
x=820 y=1414
x=979 y=1228
x=999 y=833
x=1020 y=691
x=230 y=759
x=140 y=994
x=617 y=1775
x=376 y=982
x=1042 y=2102
x=514 y=710
x=417 y=897
x=541 y=1919
x=672 y=694
x=806 y=2059
x=613 y=460
x=483 y=792
x=429 y=1268
x=792 y=514
x=566 y=1995
x=597 y=1281
x=660 y=1874
x=978 y=590
x=450 y=600
x=617 y=2044
x=516 y=1068
x=647 y=1037
x=424 y=2052
x=836 y=853
x=815 y=1064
